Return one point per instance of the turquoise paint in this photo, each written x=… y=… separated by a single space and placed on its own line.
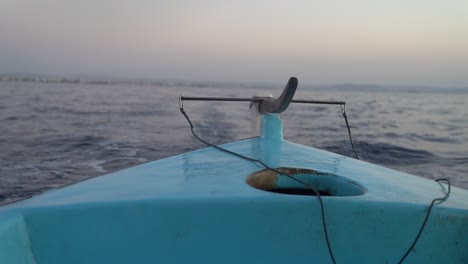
x=197 y=207
x=271 y=130
x=14 y=239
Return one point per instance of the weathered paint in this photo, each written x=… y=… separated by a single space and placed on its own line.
x=295 y=178
x=197 y=207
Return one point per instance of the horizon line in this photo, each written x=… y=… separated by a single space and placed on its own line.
x=109 y=80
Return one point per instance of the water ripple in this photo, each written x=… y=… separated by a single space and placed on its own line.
x=55 y=134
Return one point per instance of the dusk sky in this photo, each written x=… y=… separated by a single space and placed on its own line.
x=405 y=42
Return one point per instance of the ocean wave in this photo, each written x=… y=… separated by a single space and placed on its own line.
x=61 y=133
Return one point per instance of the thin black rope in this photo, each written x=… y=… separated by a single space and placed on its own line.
x=343 y=111
x=429 y=209
x=322 y=209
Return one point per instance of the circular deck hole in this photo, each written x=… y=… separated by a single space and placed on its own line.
x=299 y=191
x=326 y=184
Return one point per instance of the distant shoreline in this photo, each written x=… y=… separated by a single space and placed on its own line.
x=213 y=84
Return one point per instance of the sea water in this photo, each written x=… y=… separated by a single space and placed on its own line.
x=53 y=134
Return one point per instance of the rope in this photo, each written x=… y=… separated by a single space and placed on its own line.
x=322 y=209
x=319 y=197
x=429 y=209
x=343 y=111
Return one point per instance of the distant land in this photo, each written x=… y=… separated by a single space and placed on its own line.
x=106 y=80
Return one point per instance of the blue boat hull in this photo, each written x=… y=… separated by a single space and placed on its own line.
x=198 y=207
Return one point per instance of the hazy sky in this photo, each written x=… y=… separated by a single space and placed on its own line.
x=412 y=42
